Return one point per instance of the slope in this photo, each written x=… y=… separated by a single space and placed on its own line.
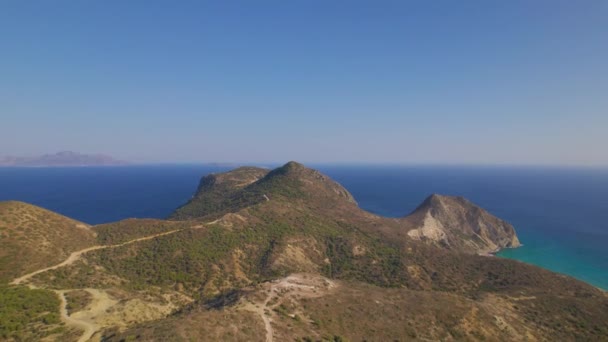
x=33 y=238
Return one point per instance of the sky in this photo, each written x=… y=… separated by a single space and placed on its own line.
x=400 y=82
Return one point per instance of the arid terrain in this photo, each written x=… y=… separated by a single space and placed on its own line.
x=283 y=255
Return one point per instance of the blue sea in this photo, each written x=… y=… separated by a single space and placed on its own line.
x=560 y=214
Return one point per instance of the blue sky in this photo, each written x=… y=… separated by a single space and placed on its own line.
x=451 y=82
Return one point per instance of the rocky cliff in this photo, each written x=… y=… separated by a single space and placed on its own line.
x=456 y=223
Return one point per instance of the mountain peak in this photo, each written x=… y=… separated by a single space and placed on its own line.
x=294 y=165
x=231 y=191
x=311 y=183
x=455 y=222
x=291 y=167
x=438 y=199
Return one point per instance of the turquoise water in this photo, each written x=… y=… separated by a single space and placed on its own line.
x=580 y=257
x=561 y=215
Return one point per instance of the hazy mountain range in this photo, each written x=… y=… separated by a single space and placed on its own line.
x=64 y=158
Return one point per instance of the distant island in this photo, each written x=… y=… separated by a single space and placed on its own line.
x=64 y=158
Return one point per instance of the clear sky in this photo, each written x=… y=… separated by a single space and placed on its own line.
x=483 y=82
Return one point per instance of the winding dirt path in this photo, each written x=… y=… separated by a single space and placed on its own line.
x=85 y=320
x=266 y=318
x=75 y=256
x=302 y=285
x=87 y=328
x=261 y=311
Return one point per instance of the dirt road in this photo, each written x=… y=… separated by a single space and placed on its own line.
x=300 y=285
x=84 y=320
x=76 y=255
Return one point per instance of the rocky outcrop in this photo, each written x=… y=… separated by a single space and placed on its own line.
x=456 y=223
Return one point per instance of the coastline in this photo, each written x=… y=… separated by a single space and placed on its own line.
x=545 y=267
x=497 y=250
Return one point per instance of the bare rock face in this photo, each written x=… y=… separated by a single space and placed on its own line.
x=456 y=223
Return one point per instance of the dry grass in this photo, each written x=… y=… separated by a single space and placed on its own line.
x=304 y=307
x=33 y=238
x=77 y=300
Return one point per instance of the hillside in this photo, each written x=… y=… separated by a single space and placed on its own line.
x=307 y=307
x=33 y=238
x=216 y=193
x=287 y=254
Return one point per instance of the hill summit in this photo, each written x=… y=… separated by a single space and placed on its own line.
x=231 y=191
x=444 y=220
x=450 y=222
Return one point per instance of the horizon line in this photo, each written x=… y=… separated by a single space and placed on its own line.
x=336 y=164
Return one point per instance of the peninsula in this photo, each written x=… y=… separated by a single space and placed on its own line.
x=283 y=255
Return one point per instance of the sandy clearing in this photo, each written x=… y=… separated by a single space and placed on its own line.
x=294 y=285
x=87 y=328
x=85 y=319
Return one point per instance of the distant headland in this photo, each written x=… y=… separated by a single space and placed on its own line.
x=63 y=158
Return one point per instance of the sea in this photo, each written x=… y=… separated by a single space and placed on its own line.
x=560 y=214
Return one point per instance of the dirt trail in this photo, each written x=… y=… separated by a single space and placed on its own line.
x=85 y=320
x=295 y=285
x=87 y=328
x=266 y=318
x=76 y=255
